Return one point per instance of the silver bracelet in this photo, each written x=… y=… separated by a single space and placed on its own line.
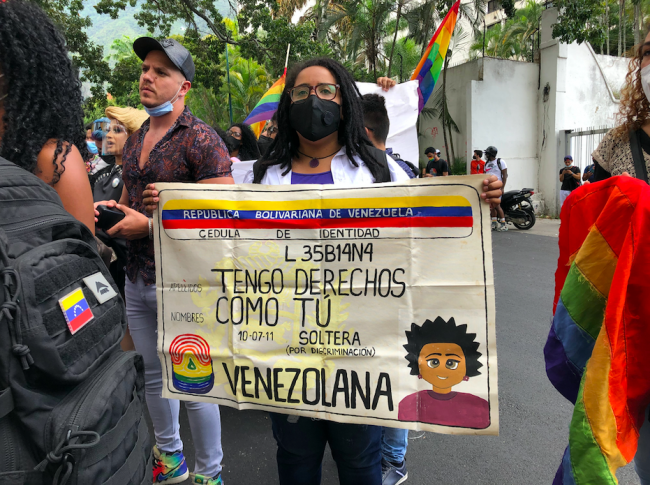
x=150 y=224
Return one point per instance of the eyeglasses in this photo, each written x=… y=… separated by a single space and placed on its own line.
x=234 y=134
x=324 y=91
x=271 y=130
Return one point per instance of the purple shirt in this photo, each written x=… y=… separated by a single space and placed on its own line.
x=323 y=178
x=454 y=409
x=190 y=151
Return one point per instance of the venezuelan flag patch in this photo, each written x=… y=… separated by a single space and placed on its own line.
x=76 y=310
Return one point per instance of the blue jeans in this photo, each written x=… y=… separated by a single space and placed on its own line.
x=301 y=444
x=393 y=444
x=205 y=422
x=642 y=457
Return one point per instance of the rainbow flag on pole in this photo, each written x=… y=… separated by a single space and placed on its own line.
x=430 y=65
x=597 y=349
x=266 y=106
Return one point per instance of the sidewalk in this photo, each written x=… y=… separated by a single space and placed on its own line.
x=542 y=227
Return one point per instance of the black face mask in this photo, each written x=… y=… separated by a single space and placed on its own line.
x=263 y=143
x=232 y=143
x=315 y=118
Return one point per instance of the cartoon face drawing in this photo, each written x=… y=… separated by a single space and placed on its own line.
x=443 y=354
x=442 y=365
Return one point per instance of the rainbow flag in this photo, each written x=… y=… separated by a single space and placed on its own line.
x=430 y=65
x=191 y=364
x=76 y=310
x=266 y=106
x=596 y=352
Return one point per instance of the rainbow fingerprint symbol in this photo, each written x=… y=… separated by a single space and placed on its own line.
x=191 y=364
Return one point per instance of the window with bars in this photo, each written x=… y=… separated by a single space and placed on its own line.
x=493 y=6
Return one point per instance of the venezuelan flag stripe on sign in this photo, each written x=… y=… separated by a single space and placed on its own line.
x=443 y=211
x=76 y=310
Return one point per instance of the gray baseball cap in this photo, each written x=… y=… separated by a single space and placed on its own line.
x=176 y=53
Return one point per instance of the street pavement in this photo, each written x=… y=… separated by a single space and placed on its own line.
x=534 y=418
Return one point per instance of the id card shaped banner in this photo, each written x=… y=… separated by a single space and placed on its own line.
x=366 y=305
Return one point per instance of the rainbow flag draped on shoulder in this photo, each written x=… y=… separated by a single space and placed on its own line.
x=597 y=349
x=266 y=106
x=430 y=66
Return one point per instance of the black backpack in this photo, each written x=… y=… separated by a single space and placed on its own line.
x=71 y=405
x=379 y=169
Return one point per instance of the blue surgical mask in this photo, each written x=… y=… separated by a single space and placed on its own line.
x=165 y=108
x=92 y=148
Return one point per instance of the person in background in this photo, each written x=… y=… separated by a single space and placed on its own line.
x=497 y=167
x=377 y=124
x=242 y=143
x=436 y=167
x=42 y=127
x=615 y=154
x=108 y=185
x=478 y=165
x=268 y=134
x=588 y=176
x=570 y=178
x=172 y=146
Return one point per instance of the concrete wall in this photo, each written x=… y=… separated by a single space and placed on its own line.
x=524 y=109
x=579 y=95
x=493 y=102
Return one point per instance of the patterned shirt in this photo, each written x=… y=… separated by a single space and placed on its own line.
x=190 y=151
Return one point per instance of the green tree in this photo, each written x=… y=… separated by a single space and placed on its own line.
x=509 y=8
x=515 y=39
x=580 y=21
x=86 y=56
x=248 y=83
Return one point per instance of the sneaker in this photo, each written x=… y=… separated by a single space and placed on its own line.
x=169 y=467
x=196 y=479
x=390 y=475
x=503 y=227
x=494 y=225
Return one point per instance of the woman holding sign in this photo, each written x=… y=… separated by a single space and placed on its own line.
x=322 y=140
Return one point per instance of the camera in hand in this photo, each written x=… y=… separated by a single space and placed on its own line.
x=108 y=217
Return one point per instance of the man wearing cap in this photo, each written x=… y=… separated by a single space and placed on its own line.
x=570 y=178
x=171 y=146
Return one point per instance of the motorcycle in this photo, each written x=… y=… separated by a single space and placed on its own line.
x=518 y=208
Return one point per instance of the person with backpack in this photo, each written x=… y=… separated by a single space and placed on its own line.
x=171 y=146
x=497 y=167
x=71 y=402
x=375 y=119
x=42 y=129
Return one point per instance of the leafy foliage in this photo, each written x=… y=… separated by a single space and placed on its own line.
x=579 y=21
x=513 y=40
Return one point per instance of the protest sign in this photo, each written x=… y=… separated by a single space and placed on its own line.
x=360 y=305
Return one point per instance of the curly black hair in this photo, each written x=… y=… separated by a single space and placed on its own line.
x=43 y=89
x=248 y=150
x=351 y=132
x=440 y=331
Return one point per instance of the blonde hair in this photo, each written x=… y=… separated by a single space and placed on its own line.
x=131 y=118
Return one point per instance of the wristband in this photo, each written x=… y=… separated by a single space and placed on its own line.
x=150 y=225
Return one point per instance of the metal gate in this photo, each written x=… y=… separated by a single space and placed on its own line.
x=581 y=143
